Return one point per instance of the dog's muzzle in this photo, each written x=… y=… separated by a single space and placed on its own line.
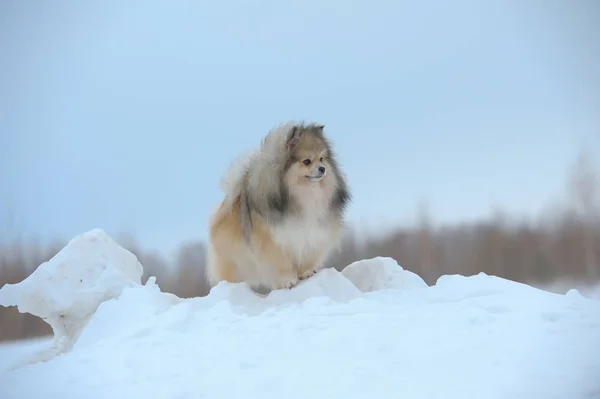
x=317 y=177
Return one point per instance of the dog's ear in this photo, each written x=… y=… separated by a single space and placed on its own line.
x=319 y=128
x=293 y=138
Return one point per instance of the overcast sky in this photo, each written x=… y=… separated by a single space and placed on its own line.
x=124 y=114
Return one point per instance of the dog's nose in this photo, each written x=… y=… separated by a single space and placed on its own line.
x=322 y=169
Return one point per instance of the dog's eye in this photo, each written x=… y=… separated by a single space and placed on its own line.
x=321 y=160
x=306 y=162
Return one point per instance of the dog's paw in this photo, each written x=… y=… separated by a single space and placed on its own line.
x=291 y=283
x=307 y=274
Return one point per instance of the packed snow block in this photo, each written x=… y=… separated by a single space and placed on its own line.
x=381 y=273
x=67 y=290
x=326 y=283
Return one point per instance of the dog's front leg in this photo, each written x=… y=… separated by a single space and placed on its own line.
x=283 y=273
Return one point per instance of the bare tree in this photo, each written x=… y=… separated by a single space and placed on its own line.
x=584 y=191
x=190 y=266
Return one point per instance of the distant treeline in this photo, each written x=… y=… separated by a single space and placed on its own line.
x=565 y=243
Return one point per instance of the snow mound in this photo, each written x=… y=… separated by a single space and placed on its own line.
x=328 y=285
x=381 y=273
x=373 y=330
x=67 y=290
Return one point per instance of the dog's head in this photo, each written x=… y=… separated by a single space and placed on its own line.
x=294 y=170
x=309 y=154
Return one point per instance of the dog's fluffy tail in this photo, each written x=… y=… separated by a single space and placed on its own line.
x=273 y=142
x=260 y=161
x=233 y=179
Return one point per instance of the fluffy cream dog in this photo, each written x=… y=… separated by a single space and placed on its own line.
x=282 y=212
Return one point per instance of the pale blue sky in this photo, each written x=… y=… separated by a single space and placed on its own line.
x=124 y=114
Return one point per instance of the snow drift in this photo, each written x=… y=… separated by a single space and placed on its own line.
x=371 y=331
x=68 y=289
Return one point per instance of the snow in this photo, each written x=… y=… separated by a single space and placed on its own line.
x=19 y=352
x=373 y=330
x=67 y=290
x=584 y=288
x=381 y=273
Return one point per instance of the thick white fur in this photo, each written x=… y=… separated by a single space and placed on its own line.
x=308 y=233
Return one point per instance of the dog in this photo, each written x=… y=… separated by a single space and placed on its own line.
x=283 y=211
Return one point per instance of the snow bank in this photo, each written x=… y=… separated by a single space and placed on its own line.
x=381 y=273
x=371 y=331
x=67 y=290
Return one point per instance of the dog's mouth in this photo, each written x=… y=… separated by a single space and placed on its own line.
x=315 y=178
